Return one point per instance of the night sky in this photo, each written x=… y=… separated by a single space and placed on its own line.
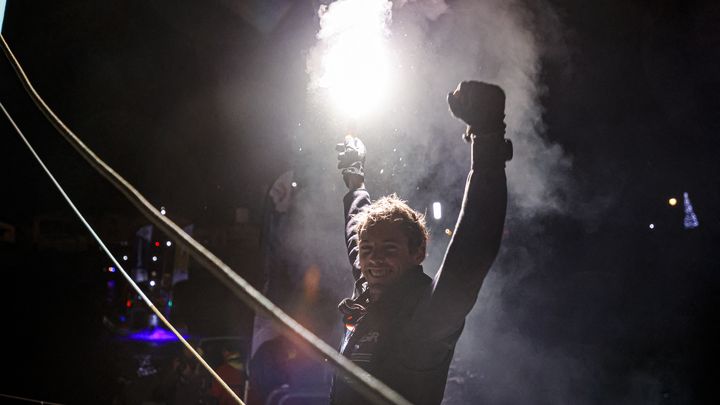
x=193 y=103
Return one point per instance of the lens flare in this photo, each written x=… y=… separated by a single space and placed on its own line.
x=351 y=62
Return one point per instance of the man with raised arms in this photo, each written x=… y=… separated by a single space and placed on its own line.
x=402 y=325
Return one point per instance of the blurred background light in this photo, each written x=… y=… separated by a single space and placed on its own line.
x=437 y=210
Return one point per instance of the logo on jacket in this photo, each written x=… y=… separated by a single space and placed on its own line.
x=370 y=337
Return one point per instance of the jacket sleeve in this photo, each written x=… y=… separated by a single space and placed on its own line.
x=353 y=202
x=475 y=241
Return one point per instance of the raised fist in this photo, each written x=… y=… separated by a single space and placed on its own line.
x=351 y=160
x=480 y=105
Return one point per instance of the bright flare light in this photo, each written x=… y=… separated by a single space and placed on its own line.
x=354 y=62
x=437 y=210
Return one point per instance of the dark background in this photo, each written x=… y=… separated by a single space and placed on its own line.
x=635 y=106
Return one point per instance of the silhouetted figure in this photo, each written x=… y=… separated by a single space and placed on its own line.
x=182 y=382
x=270 y=368
x=232 y=371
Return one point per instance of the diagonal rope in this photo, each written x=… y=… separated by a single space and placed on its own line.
x=105 y=249
x=372 y=388
x=37 y=401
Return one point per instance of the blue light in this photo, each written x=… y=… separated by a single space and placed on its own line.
x=154 y=334
x=690 y=221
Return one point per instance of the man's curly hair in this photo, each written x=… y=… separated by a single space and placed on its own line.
x=392 y=209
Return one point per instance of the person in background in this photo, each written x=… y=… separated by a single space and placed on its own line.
x=270 y=368
x=232 y=371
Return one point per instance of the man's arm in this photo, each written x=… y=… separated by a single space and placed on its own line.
x=353 y=202
x=351 y=160
x=476 y=240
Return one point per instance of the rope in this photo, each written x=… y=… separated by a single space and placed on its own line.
x=114 y=260
x=372 y=388
x=37 y=401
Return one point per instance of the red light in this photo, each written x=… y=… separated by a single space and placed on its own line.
x=157 y=244
x=128 y=303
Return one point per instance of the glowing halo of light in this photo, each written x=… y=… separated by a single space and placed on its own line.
x=353 y=65
x=154 y=334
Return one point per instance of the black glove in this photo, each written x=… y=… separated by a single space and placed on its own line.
x=351 y=158
x=481 y=106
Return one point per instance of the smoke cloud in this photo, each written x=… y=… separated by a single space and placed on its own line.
x=415 y=149
x=414 y=144
x=434 y=48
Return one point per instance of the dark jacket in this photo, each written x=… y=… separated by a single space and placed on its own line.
x=407 y=339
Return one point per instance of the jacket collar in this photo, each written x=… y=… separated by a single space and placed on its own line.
x=353 y=309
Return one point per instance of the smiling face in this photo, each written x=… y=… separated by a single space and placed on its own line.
x=385 y=255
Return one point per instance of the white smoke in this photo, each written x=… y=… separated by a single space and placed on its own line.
x=434 y=47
